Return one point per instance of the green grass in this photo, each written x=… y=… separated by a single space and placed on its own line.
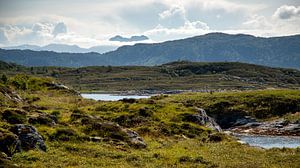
x=171 y=141
x=160 y=153
x=172 y=76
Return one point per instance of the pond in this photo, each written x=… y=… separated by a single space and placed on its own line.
x=111 y=97
x=268 y=142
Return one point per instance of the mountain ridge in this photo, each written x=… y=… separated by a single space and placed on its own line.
x=65 y=48
x=213 y=47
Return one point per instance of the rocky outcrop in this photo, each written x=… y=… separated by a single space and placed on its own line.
x=112 y=131
x=276 y=127
x=20 y=137
x=134 y=139
x=10 y=94
x=57 y=86
x=201 y=118
x=29 y=137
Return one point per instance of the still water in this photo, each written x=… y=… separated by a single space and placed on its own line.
x=271 y=141
x=110 y=97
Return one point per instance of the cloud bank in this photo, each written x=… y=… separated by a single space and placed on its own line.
x=92 y=23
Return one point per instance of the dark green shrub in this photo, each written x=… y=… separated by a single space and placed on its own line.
x=130 y=120
x=13 y=116
x=65 y=134
x=217 y=137
x=8 y=142
x=43 y=120
x=185 y=159
x=145 y=112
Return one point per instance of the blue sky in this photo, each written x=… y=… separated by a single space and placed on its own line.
x=88 y=23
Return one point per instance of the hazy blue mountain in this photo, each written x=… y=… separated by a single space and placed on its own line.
x=131 y=39
x=64 y=48
x=50 y=58
x=102 y=48
x=24 y=47
x=213 y=47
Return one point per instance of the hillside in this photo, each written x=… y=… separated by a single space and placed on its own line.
x=43 y=125
x=168 y=77
x=213 y=47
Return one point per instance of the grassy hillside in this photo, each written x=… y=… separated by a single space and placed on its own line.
x=172 y=76
x=172 y=141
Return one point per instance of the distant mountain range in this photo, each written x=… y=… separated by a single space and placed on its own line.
x=131 y=39
x=64 y=48
x=213 y=47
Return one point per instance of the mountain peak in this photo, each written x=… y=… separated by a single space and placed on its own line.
x=130 y=39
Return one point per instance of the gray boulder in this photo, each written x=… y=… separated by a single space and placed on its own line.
x=134 y=139
x=244 y=120
x=29 y=137
x=201 y=118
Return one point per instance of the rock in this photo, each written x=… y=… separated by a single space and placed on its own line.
x=243 y=121
x=96 y=139
x=134 y=139
x=115 y=132
x=57 y=86
x=277 y=127
x=10 y=94
x=29 y=137
x=201 y=118
x=43 y=119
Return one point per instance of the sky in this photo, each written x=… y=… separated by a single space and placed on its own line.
x=89 y=23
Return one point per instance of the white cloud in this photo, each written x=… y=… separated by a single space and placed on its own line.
x=60 y=28
x=189 y=29
x=284 y=21
x=159 y=19
x=257 y=22
x=195 y=25
x=173 y=17
x=287 y=12
x=3 y=38
x=174 y=10
x=174 y=24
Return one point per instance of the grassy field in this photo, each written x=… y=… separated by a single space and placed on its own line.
x=171 y=141
x=172 y=76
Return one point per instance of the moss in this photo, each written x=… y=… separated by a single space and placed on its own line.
x=66 y=134
x=14 y=116
x=8 y=142
x=130 y=120
x=106 y=130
